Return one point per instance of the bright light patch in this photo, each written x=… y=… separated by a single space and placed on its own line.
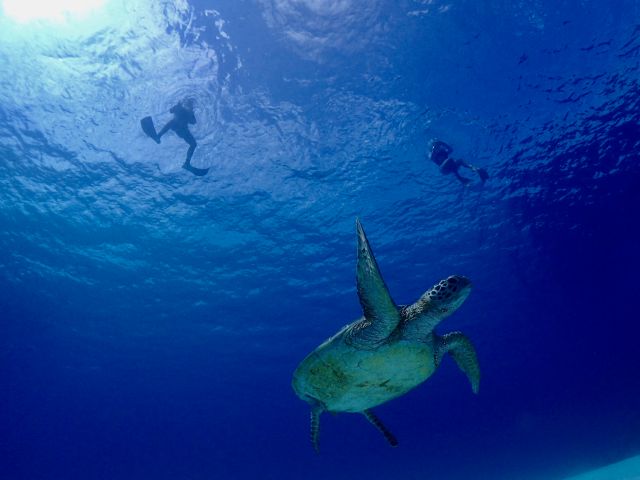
x=52 y=10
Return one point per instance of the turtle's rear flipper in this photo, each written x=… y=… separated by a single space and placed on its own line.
x=463 y=352
x=375 y=421
x=315 y=427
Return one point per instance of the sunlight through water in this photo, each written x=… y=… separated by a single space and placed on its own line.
x=50 y=10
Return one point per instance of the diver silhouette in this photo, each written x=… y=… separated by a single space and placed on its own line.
x=440 y=152
x=183 y=116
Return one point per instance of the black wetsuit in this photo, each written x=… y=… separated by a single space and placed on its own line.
x=440 y=152
x=182 y=118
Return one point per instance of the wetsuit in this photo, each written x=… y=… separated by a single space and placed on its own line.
x=182 y=118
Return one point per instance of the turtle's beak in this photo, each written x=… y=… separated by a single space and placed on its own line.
x=457 y=288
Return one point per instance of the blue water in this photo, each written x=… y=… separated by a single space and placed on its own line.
x=151 y=319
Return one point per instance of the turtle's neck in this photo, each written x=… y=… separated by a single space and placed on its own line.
x=420 y=318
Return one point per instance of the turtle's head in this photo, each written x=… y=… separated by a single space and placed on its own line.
x=447 y=295
x=435 y=305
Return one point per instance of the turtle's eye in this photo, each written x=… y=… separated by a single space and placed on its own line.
x=444 y=309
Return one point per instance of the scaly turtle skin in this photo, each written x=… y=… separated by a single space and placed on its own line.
x=387 y=352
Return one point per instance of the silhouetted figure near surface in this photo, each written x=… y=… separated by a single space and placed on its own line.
x=183 y=116
x=440 y=152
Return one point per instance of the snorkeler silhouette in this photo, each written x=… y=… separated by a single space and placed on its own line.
x=182 y=117
x=440 y=152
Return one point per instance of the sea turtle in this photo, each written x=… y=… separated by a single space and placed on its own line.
x=386 y=353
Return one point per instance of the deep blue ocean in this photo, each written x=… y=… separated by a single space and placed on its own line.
x=151 y=319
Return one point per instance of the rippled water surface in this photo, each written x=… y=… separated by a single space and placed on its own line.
x=150 y=320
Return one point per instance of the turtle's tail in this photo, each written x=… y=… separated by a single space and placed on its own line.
x=375 y=421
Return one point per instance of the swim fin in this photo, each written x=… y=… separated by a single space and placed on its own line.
x=147 y=127
x=200 y=172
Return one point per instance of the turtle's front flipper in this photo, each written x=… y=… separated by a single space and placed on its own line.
x=381 y=315
x=375 y=421
x=463 y=352
x=315 y=427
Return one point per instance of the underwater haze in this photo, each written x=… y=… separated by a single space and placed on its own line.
x=151 y=319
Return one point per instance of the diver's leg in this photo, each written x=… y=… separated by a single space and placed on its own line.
x=165 y=129
x=456 y=164
x=462 y=163
x=482 y=173
x=187 y=163
x=192 y=147
x=464 y=180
